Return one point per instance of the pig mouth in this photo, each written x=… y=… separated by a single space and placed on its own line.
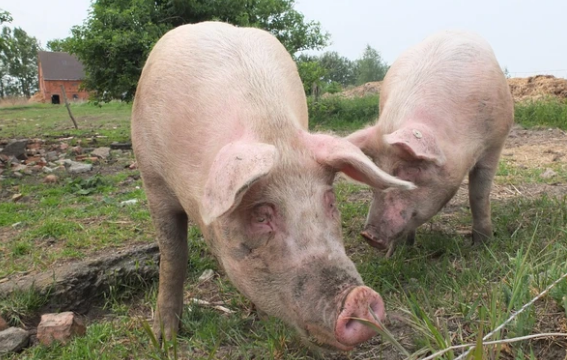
x=374 y=241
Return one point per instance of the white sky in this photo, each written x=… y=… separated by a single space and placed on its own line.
x=527 y=35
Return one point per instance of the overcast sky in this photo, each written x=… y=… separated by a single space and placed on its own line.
x=528 y=37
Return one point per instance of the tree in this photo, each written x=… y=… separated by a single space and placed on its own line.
x=116 y=38
x=310 y=71
x=339 y=68
x=18 y=63
x=5 y=17
x=370 y=67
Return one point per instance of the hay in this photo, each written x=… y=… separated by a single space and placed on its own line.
x=522 y=89
x=36 y=98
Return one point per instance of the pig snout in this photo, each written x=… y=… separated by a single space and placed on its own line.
x=370 y=234
x=357 y=304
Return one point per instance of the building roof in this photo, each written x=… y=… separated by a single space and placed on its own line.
x=60 y=66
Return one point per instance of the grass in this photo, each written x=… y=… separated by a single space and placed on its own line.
x=441 y=292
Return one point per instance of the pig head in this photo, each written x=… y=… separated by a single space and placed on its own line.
x=410 y=153
x=273 y=221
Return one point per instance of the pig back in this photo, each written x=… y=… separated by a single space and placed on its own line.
x=206 y=85
x=453 y=80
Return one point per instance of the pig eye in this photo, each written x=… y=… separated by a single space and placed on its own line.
x=261 y=220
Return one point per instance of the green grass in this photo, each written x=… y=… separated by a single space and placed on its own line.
x=51 y=121
x=337 y=113
x=443 y=291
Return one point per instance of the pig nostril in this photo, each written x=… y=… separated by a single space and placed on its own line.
x=350 y=325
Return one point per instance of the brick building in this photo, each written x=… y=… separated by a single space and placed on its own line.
x=56 y=69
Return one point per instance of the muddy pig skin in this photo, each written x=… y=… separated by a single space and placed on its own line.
x=445 y=112
x=219 y=131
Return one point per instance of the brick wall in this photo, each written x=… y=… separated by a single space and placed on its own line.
x=53 y=87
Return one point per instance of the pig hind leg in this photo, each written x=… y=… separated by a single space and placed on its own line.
x=170 y=222
x=480 y=184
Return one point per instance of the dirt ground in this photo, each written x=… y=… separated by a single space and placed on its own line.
x=530 y=88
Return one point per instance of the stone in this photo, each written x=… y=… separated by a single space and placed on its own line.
x=60 y=327
x=13 y=340
x=51 y=156
x=129 y=202
x=101 y=152
x=19 y=167
x=74 y=167
x=16 y=148
x=548 y=174
x=51 y=179
x=47 y=170
x=121 y=146
x=16 y=197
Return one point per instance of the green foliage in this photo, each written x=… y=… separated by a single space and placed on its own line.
x=18 y=63
x=118 y=35
x=370 y=67
x=311 y=73
x=86 y=186
x=333 y=88
x=336 y=112
x=339 y=68
x=5 y=17
x=551 y=112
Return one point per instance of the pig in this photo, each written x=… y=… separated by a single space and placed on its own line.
x=445 y=112
x=219 y=132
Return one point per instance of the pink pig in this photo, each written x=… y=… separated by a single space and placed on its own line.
x=445 y=112
x=219 y=129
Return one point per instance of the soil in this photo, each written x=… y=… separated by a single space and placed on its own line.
x=524 y=148
x=522 y=89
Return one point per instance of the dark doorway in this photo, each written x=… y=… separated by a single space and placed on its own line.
x=55 y=99
x=75 y=97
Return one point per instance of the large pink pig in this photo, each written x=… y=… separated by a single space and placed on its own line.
x=219 y=132
x=445 y=112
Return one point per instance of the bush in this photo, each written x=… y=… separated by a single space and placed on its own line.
x=339 y=113
x=537 y=113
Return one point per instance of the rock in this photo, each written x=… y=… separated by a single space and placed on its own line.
x=16 y=197
x=101 y=152
x=19 y=167
x=3 y=324
x=81 y=168
x=13 y=340
x=61 y=327
x=121 y=146
x=16 y=148
x=64 y=146
x=206 y=275
x=17 y=174
x=548 y=174
x=129 y=202
x=133 y=166
x=51 y=156
x=78 y=150
x=51 y=179
x=47 y=170
x=74 y=167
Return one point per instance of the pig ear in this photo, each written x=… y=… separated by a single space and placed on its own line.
x=341 y=155
x=417 y=145
x=362 y=138
x=236 y=167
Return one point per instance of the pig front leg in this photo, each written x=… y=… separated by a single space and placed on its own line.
x=170 y=222
x=480 y=184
